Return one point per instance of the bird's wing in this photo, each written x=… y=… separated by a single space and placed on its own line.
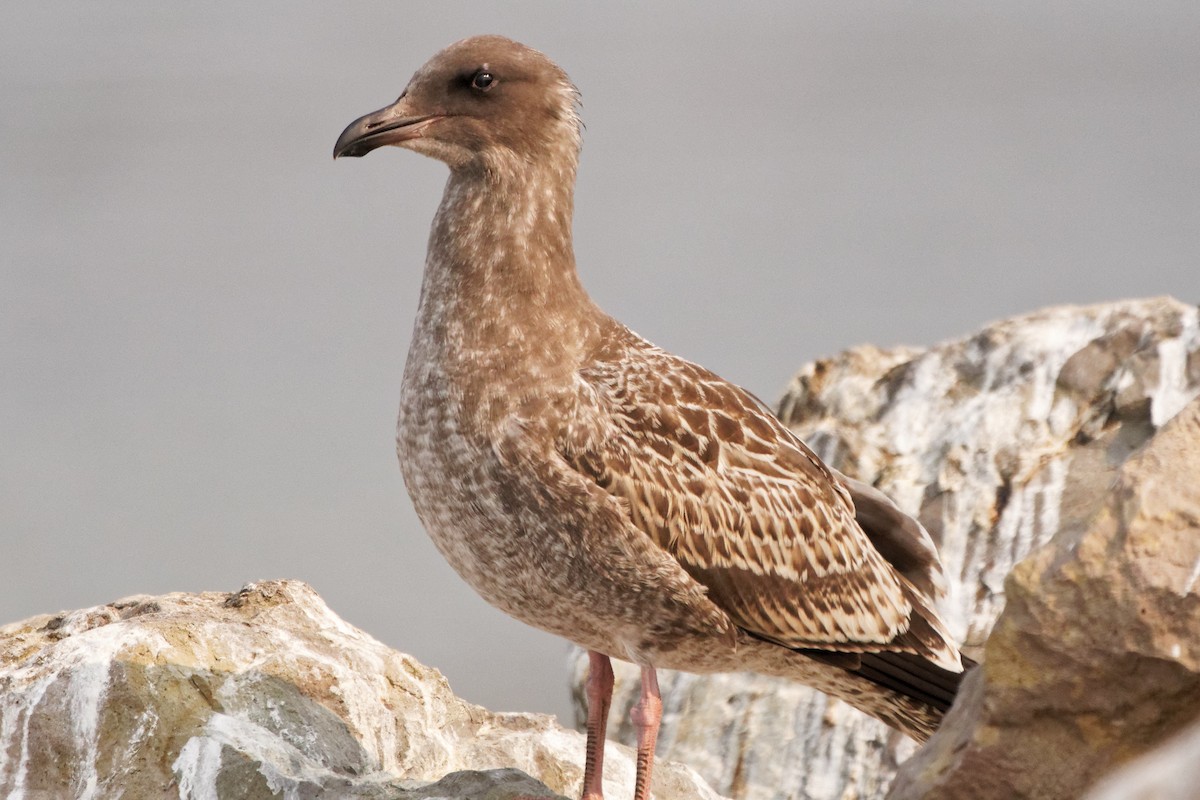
x=899 y=538
x=747 y=509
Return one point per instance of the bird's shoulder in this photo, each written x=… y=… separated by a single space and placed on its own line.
x=651 y=404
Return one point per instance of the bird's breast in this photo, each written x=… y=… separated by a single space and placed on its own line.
x=541 y=568
x=450 y=423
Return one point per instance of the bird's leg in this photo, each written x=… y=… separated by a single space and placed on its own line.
x=599 y=696
x=646 y=716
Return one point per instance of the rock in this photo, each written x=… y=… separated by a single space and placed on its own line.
x=998 y=442
x=263 y=693
x=495 y=784
x=1096 y=657
x=1169 y=772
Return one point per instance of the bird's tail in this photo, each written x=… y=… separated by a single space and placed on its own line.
x=921 y=690
x=913 y=676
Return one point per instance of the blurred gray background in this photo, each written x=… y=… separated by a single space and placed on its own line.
x=203 y=318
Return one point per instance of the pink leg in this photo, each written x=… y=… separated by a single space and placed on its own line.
x=599 y=696
x=646 y=716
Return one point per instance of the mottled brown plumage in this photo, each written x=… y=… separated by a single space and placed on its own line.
x=597 y=487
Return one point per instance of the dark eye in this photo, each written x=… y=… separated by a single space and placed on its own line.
x=483 y=80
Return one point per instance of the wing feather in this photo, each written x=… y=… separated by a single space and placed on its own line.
x=748 y=510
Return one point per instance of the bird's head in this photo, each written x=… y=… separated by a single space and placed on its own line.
x=481 y=102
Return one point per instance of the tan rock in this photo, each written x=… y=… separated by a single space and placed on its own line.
x=1096 y=658
x=1169 y=772
x=260 y=693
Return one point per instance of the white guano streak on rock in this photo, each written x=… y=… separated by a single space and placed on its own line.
x=18 y=715
x=85 y=658
x=10 y=721
x=197 y=767
x=86 y=690
x=1192 y=578
x=1172 y=393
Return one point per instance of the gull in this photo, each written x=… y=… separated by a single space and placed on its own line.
x=600 y=488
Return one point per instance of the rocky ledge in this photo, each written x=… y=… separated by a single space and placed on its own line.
x=262 y=693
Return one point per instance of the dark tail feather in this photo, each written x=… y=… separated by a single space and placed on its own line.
x=913 y=676
x=904 y=673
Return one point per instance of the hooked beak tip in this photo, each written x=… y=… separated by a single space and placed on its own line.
x=394 y=124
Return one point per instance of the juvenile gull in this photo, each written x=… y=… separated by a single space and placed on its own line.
x=595 y=486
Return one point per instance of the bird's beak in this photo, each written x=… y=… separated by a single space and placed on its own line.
x=392 y=125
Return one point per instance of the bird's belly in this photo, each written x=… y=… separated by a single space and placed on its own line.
x=508 y=567
x=535 y=573
x=451 y=478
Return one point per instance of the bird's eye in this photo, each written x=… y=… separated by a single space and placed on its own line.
x=483 y=80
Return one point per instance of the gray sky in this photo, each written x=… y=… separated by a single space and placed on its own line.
x=203 y=319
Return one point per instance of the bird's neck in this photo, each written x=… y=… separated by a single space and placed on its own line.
x=500 y=272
